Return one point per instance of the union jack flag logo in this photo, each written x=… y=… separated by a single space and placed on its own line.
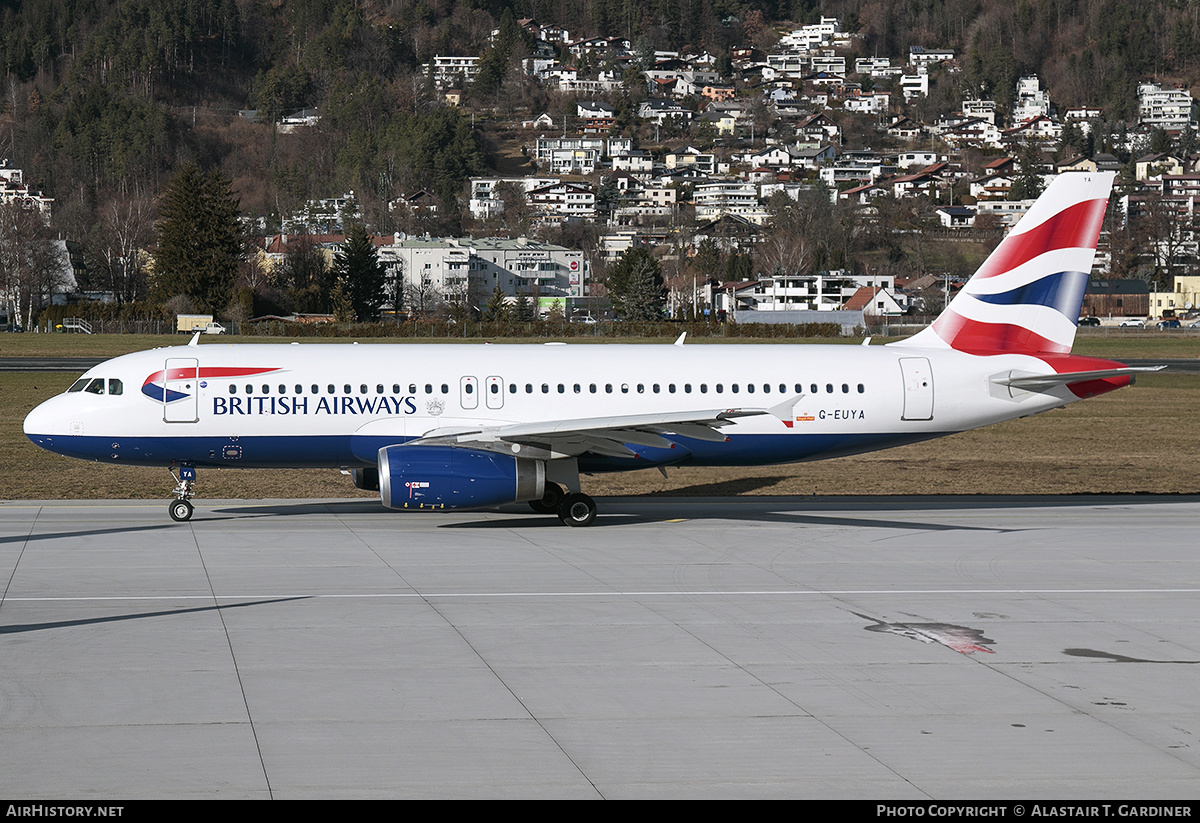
x=1026 y=296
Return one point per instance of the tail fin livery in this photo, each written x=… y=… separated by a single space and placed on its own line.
x=1026 y=296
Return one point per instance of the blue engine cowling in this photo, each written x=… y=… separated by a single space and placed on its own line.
x=444 y=477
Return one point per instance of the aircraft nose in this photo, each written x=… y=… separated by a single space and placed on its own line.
x=41 y=421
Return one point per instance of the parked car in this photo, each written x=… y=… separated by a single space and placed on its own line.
x=1170 y=323
x=1133 y=323
x=1089 y=321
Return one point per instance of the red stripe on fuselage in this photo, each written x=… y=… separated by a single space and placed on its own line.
x=207 y=371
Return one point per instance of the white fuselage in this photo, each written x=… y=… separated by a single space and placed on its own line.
x=336 y=405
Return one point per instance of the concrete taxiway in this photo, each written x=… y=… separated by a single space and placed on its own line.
x=902 y=648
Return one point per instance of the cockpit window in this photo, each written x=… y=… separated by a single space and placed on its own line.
x=114 y=386
x=79 y=384
x=96 y=386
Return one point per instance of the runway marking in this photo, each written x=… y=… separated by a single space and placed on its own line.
x=611 y=594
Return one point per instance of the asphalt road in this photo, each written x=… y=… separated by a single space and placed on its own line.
x=886 y=648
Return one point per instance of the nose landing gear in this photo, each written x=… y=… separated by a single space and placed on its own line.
x=181 y=507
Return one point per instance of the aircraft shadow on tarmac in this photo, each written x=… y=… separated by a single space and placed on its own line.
x=20 y=628
x=796 y=510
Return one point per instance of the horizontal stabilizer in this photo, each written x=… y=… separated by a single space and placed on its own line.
x=1042 y=382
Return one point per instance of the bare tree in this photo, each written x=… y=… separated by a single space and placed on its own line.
x=116 y=250
x=32 y=262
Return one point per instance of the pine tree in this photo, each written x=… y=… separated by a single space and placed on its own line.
x=635 y=286
x=496 y=310
x=200 y=240
x=524 y=311
x=360 y=274
x=647 y=296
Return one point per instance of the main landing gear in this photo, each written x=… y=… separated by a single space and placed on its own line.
x=577 y=510
x=181 y=507
x=574 y=509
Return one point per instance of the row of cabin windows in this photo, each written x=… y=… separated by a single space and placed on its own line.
x=656 y=388
x=577 y=388
x=346 y=389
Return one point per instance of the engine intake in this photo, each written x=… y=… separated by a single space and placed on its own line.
x=444 y=477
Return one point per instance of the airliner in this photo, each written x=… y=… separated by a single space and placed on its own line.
x=442 y=427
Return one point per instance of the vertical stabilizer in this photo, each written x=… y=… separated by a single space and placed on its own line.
x=1026 y=296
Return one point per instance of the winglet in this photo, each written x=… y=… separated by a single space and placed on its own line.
x=785 y=410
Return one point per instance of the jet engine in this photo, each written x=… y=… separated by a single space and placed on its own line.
x=445 y=477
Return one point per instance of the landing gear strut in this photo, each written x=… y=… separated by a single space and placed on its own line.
x=181 y=507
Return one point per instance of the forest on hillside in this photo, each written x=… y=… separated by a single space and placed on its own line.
x=99 y=98
x=103 y=102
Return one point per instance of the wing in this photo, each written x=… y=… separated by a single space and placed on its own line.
x=607 y=436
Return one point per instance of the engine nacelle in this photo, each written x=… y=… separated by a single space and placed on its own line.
x=444 y=477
